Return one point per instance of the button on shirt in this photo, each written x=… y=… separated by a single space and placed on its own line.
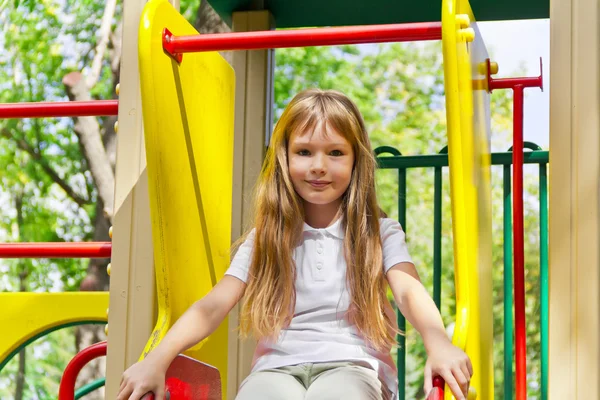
x=319 y=330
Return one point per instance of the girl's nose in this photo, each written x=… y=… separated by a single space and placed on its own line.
x=318 y=165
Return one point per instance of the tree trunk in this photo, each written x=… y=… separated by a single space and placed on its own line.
x=208 y=21
x=20 y=376
x=99 y=148
x=90 y=139
x=20 y=381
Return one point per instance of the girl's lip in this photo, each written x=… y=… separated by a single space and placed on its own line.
x=318 y=183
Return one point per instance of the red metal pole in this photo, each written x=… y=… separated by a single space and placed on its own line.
x=59 y=109
x=518 y=85
x=66 y=390
x=56 y=250
x=519 y=258
x=301 y=37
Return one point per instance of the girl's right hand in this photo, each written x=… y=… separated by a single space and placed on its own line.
x=141 y=378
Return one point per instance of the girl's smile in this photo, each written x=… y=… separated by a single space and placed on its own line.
x=318 y=184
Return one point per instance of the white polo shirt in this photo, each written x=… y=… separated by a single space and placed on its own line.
x=319 y=330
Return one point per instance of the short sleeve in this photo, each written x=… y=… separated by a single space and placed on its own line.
x=393 y=244
x=241 y=261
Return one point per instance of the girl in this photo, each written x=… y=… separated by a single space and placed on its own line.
x=313 y=275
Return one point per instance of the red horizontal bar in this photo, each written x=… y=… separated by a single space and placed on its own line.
x=56 y=250
x=92 y=108
x=509 y=83
x=302 y=37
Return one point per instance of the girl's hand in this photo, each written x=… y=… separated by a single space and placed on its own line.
x=141 y=378
x=453 y=365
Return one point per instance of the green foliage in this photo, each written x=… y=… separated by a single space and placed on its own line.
x=42 y=41
x=46 y=360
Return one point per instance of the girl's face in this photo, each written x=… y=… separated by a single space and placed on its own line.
x=320 y=165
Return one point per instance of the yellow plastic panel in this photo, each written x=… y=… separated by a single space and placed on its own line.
x=468 y=119
x=27 y=316
x=188 y=129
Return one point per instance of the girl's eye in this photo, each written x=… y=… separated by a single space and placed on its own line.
x=303 y=153
x=336 y=153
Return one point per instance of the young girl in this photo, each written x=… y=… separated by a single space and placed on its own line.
x=313 y=275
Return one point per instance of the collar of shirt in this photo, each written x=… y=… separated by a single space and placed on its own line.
x=336 y=229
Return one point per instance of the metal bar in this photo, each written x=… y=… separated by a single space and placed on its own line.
x=509 y=83
x=66 y=390
x=544 y=277
x=93 y=108
x=56 y=250
x=518 y=253
x=441 y=160
x=401 y=320
x=90 y=387
x=437 y=237
x=301 y=37
x=508 y=286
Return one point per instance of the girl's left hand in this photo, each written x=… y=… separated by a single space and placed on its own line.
x=453 y=365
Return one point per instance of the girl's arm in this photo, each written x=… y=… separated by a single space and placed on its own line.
x=197 y=323
x=418 y=307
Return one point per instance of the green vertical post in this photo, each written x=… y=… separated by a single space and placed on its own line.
x=401 y=319
x=544 y=277
x=437 y=237
x=508 y=287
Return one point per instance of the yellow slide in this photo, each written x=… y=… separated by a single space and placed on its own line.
x=467 y=115
x=188 y=129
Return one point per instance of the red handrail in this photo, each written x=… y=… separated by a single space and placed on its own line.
x=56 y=250
x=66 y=389
x=92 y=108
x=302 y=37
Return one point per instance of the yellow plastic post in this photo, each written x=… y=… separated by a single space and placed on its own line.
x=468 y=126
x=188 y=129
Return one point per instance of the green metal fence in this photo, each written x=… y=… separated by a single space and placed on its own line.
x=391 y=158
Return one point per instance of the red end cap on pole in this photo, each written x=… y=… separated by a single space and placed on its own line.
x=437 y=393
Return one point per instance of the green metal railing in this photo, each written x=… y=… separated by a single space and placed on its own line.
x=391 y=158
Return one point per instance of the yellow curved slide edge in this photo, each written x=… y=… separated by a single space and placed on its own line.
x=28 y=316
x=188 y=128
x=468 y=121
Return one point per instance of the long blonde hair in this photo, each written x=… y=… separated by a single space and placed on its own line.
x=270 y=296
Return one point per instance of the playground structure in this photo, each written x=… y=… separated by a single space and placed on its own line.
x=132 y=284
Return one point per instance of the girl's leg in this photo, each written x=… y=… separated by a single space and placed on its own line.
x=273 y=384
x=348 y=382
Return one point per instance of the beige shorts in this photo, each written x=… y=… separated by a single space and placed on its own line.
x=319 y=381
